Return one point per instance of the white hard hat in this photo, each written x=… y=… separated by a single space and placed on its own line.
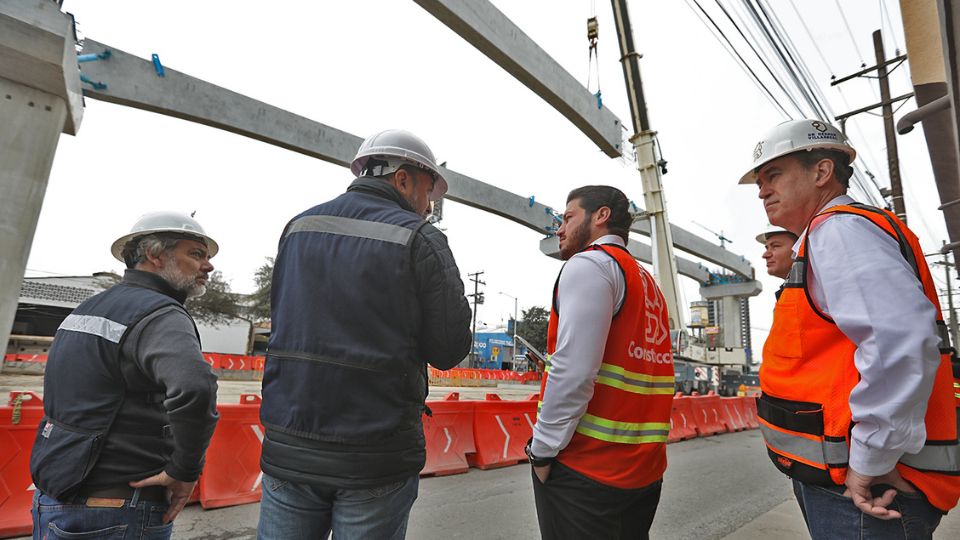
x=395 y=146
x=793 y=136
x=770 y=231
x=168 y=222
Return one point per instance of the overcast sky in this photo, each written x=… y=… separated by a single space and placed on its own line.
x=365 y=65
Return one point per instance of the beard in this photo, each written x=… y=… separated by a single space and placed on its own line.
x=576 y=240
x=181 y=282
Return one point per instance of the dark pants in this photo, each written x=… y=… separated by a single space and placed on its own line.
x=570 y=505
x=830 y=515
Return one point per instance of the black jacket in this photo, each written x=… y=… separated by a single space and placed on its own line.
x=127 y=393
x=365 y=293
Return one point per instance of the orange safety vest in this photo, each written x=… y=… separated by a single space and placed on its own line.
x=808 y=373
x=621 y=439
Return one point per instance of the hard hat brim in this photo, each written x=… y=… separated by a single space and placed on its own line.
x=762 y=237
x=750 y=177
x=116 y=249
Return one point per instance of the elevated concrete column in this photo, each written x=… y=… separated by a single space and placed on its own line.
x=32 y=121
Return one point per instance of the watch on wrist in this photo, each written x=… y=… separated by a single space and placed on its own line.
x=534 y=460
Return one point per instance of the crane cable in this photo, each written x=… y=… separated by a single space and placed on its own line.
x=593 y=61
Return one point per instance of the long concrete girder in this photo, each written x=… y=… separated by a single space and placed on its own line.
x=133 y=81
x=485 y=27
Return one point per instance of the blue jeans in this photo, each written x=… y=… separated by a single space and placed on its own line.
x=136 y=519
x=291 y=511
x=831 y=515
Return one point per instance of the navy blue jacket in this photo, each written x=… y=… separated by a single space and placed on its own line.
x=365 y=293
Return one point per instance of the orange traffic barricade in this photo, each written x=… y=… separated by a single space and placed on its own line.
x=232 y=473
x=732 y=414
x=683 y=422
x=750 y=412
x=448 y=432
x=18 y=427
x=501 y=430
x=707 y=410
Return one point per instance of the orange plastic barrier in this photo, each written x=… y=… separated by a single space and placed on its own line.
x=707 y=410
x=732 y=414
x=750 y=412
x=449 y=436
x=232 y=472
x=38 y=358
x=18 y=426
x=501 y=430
x=9 y=358
x=683 y=422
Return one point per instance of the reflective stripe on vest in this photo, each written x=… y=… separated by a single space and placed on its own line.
x=935 y=457
x=623 y=432
x=638 y=383
x=98 y=326
x=351 y=227
x=810 y=448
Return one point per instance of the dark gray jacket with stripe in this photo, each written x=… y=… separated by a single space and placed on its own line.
x=365 y=293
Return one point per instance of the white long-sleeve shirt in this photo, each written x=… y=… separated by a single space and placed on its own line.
x=590 y=290
x=858 y=277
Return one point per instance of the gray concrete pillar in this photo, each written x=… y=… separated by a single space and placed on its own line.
x=32 y=121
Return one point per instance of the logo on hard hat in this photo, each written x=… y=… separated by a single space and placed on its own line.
x=819 y=126
x=758 y=151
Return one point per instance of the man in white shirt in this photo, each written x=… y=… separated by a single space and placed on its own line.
x=599 y=445
x=859 y=415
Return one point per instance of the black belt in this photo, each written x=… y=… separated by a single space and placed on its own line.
x=123 y=491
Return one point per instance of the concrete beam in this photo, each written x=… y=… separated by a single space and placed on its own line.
x=37 y=50
x=132 y=81
x=485 y=27
x=715 y=292
x=695 y=245
x=642 y=252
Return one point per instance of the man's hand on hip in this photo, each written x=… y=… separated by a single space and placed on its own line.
x=858 y=489
x=179 y=492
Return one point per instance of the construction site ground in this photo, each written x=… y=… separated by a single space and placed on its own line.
x=719 y=487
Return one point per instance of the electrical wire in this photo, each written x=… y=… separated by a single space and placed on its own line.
x=765 y=65
x=843 y=16
x=893 y=34
x=728 y=46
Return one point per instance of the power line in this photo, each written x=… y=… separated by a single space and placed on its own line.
x=893 y=35
x=748 y=42
x=843 y=16
x=714 y=29
x=813 y=41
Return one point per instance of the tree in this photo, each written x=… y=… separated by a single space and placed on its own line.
x=258 y=307
x=533 y=327
x=218 y=305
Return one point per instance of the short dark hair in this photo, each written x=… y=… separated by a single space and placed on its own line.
x=841 y=162
x=592 y=198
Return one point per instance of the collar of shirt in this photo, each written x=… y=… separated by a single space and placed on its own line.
x=609 y=239
x=836 y=201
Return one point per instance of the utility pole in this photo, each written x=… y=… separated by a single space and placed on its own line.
x=953 y=314
x=893 y=157
x=477 y=299
x=515 y=323
x=644 y=144
x=886 y=103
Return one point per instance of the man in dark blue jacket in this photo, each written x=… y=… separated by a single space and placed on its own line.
x=365 y=294
x=129 y=402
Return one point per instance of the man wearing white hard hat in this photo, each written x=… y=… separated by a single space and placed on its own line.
x=857 y=405
x=778 y=253
x=365 y=294
x=129 y=402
